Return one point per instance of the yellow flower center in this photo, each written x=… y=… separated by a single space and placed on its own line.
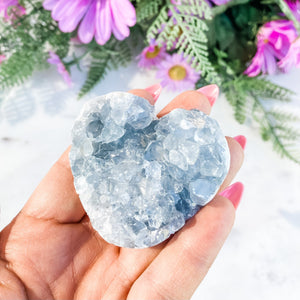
x=266 y=41
x=154 y=53
x=177 y=72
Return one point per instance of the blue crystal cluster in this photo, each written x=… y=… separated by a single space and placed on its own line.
x=140 y=178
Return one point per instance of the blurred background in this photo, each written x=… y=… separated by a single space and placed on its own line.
x=260 y=259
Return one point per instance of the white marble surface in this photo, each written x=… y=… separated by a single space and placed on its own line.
x=261 y=258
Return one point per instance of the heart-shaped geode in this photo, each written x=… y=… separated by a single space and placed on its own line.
x=140 y=178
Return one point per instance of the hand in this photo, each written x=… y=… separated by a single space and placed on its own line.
x=51 y=251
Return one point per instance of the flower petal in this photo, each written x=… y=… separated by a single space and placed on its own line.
x=119 y=27
x=255 y=67
x=103 y=22
x=86 y=29
x=127 y=11
x=49 y=4
x=53 y=58
x=74 y=15
x=63 y=9
x=4 y=4
x=269 y=65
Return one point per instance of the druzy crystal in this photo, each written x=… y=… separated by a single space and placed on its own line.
x=141 y=178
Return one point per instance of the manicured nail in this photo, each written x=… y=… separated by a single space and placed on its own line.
x=211 y=92
x=154 y=90
x=241 y=140
x=234 y=193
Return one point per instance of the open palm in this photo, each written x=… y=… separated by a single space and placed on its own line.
x=51 y=251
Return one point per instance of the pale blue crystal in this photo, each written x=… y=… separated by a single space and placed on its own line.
x=139 y=178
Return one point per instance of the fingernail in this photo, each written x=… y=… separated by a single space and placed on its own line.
x=154 y=90
x=234 y=193
x=241 y=140
x=211 y=92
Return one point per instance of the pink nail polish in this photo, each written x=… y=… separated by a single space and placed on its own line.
x=241 y=140
x=211 y=92
x=154 y=90
x=234 y=193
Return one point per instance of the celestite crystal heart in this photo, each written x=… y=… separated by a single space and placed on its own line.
x=140 y=178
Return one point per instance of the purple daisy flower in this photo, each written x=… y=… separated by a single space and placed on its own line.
x=292 y=59
x=97 y=18
x=273 y=42
x=61 y=69
x=176 y=74
x=16 y=10
x=151 y=55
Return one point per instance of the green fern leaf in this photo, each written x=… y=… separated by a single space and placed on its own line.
x=261 y=87
x=121 y=54
x=97 y=71
x=146 y=10
x=275 y=125
x=158 y=24
x=185 y=31
x=18 y=68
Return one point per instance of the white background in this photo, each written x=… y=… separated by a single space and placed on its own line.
x=260 y=259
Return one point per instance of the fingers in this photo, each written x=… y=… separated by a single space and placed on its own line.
x=144 y=94
x=55 y=197
x=182 y=264
x=188 y=100
x=11 y=286
x=236 y=161
x=124 y=277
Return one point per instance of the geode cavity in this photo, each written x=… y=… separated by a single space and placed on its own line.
x=140 y=178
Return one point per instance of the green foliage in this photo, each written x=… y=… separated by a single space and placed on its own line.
x=18 y=68
x=147 y=10
x=252 y=96
x=234 y=28
x=104 y=58
x=26 y=45
x=97 y=71
x=185 y=31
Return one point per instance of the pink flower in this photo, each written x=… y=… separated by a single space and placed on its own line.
x=294 y=7
x=96 y=18
x=10 y=9
x=264 y=61
x=151 y=55
x=176 y=74
x=273 y=42
x=55 y=60
x=292 y=59
x=2 y=58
